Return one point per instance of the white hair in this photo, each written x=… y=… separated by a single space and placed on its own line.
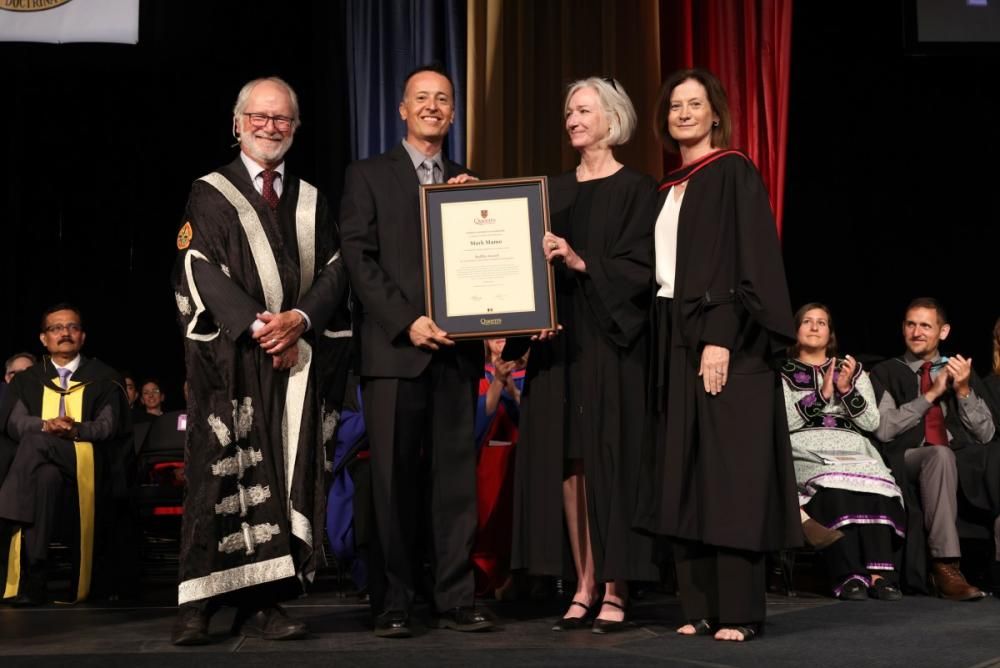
x=244 y=96
x=616 y=104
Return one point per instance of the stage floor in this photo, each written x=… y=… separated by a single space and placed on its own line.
x=806 y=630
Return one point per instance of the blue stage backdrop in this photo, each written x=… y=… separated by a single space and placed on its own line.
x=385 y=39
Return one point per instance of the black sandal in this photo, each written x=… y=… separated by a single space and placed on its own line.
x=702 y=627
x=749 y=631
x=602 y=626
x=573 y=623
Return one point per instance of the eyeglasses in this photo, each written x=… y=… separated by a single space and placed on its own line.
x=150 y=393
x=281 y=123
x=72 y=327
x=611 y=82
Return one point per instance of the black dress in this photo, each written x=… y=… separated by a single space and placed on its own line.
x=585 y=392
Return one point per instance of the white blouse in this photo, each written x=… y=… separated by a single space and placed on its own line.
x=665 y=243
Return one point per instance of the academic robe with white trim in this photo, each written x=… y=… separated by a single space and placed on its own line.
x=256 y=437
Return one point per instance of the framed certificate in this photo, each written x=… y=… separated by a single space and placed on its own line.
x=485 y=273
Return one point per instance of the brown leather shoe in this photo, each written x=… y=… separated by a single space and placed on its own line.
x=951 y=584
x=818 y=536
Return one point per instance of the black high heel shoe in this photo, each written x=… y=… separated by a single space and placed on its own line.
x=602 y=626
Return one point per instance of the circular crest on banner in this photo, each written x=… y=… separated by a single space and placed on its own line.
x=30 y=5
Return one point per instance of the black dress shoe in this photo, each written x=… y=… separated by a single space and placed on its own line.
x=393 y=624
x=602 y=626
x=33 y=590
x=853 y=590
x=271 y=623
x=884 y=590
x=574 y=623
x=28 y=600
x=190 y=627
x=464 y=619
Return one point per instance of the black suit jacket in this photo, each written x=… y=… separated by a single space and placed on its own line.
x=382 y=247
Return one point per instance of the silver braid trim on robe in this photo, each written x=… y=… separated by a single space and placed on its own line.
x=339 y=334
x=222 y=582
x=243 y=417
x=221 y=430
x=301 y=526
x=260 y=247
x=291 y=429
x=237 y=464
x=270 y=280
x=183 y=304
x=249 y=538
x=247 y=497
x=330 y=421
x=305 y=234
x=199 y=306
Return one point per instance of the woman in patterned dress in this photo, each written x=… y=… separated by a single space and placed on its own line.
x=842 y=481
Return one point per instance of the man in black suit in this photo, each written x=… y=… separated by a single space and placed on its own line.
x=419 y=386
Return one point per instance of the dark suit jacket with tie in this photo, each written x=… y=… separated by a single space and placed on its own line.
x=381 y=242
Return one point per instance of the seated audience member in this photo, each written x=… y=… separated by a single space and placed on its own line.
x=151 y=399
x=933 y=428
x=843 y=483
x=498 y=408
x=15 y=364
x=993 y=385
x=131 y=390
x=68 y=418
x=497 y=414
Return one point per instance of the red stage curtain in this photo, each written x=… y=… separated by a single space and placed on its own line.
x=747 y=44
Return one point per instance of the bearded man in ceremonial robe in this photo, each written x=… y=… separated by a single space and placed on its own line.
x=261 y=293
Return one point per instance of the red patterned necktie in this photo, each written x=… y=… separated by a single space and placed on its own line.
x=934 y=431
x=268 y=191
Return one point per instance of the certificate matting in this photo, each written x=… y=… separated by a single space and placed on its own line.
x=484 y=270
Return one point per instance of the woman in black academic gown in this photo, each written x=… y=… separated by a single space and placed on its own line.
x=722 y=483
x=583 y=404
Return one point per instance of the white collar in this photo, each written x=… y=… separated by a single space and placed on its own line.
x=73 y=365
x=255 y=169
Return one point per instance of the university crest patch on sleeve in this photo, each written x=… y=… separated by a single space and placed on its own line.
x=184 y=236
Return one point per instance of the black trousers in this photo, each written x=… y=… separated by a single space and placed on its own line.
x=720 y=583
x=31 y=496
x=864 y=549
x=431 y=415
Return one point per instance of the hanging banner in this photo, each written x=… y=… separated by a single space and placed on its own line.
x=60 y=21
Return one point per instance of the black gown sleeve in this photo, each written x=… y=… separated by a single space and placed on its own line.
x=232 y=308
x=616 y=284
